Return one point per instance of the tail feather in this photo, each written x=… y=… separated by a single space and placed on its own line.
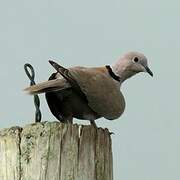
x=48 y=86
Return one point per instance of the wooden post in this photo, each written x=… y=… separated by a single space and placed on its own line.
x=55 y=151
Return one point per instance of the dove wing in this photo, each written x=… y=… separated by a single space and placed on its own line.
x=102 y=92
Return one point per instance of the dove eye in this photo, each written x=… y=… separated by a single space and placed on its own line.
x=136 y=59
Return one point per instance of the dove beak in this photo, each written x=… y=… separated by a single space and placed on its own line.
x=149 y=71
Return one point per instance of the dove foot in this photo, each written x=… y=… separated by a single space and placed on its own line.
x=111 y=133
x=93 y=124
x=69 y=120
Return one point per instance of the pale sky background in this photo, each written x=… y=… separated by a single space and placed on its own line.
x=146 y=144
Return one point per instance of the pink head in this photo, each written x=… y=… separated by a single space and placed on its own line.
x=130 y=64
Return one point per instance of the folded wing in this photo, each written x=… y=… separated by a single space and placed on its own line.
x=102 y=92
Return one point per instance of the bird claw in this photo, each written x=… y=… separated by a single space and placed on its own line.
x=93 y=124
x=111 y=133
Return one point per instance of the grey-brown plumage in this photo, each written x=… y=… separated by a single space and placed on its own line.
x=68 y=103
x=90 y=93
x=81 y=100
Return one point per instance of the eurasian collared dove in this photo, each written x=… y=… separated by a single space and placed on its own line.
x=90 y=93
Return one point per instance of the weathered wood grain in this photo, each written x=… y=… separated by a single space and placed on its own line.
x=55 y=151
x=10 y=154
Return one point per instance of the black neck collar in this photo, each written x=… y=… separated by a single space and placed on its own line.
x=112 y=74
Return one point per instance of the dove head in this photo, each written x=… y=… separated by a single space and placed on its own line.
x=130 y=64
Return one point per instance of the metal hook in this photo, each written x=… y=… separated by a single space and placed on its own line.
x=31 y=76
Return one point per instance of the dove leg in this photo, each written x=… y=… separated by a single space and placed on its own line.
x=70 y=120
x=93 y=123
x=66 y=119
